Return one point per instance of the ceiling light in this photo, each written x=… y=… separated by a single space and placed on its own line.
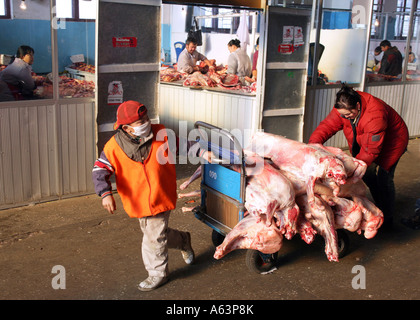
x=23 y=5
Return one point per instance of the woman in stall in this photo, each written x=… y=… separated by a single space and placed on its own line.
x=16 y=82
x=238 y=61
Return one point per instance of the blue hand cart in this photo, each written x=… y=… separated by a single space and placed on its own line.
x=223 y=194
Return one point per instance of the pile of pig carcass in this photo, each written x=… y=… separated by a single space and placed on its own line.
x=296 y=188
x=211 y=78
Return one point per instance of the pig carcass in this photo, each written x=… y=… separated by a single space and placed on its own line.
x=198 y=79
x=270 y=193
x=322 y=219
x=371 y=216
x=170 y=75
x=324 y=182
x=347 y=214
x=251 y=233
x=305 y=229
x=305 y=162
x=355 y=169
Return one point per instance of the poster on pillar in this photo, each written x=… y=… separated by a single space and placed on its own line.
x=115 y=93
x=292 y=39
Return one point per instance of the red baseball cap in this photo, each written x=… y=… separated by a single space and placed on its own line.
x=129 y=112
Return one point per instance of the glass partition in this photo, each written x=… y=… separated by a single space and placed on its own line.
x=342 y=38
x=76 y=48
x=413 y=67
x=25 y=52
x=391 y=21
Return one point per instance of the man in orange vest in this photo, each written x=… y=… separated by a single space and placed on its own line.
x=146 y=186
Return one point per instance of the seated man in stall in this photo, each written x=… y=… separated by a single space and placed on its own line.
x=16 y=82
x=187 y=61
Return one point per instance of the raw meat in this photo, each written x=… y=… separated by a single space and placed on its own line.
x=269 y=193
x=69 y=87
x=195 y=193
x=305 y=229
x=305 y=162
x=372 y=216
x=195 y=176
x=322 y=219
x=217 y=77
x=294 y=187
x=211 y=78
x=355 y=169
x=251 y=233
x=347 y=214
x=198 y=79
x=170 y=75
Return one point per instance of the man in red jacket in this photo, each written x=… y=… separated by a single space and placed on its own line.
x=376 y=134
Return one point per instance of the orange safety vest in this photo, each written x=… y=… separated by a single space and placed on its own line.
x=148 y=188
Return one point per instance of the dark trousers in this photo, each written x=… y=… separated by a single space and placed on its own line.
x=381 y=185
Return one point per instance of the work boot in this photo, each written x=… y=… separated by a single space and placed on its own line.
x=188 y=252
x=152 y=283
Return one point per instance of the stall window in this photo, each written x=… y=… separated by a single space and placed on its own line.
x=342 y=41
x=224 y=23
x=76 y=48
x=391 y=22
x=76 y=9
x=4 y=9
x=26 y=76
x=413 y=70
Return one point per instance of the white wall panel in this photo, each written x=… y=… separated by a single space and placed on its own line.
x=319 y=103
x=411 y=108
x=46 y=151
x=224 y=110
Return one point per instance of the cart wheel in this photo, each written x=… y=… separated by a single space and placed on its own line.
x=259 y=262
x=343 y=243
x=217 y=238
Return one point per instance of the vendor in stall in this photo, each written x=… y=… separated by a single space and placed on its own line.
x=187 y=61
x=376 y=134
x=239 y=62
x=391 y=63
x=16 y=82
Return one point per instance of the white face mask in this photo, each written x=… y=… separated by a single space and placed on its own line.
x=142 y=130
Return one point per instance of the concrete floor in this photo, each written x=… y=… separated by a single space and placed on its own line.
x=100 y=255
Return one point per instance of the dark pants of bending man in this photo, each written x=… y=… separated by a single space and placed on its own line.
x=381 y=185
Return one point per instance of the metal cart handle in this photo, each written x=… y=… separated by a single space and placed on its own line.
x=237 y=146
x=232 y=138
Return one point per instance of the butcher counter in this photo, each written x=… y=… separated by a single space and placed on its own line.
x=233 y=110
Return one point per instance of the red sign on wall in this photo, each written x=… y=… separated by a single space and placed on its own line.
x=286 y=48
x=128 y=42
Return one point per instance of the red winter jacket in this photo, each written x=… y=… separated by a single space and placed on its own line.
x=381 y=133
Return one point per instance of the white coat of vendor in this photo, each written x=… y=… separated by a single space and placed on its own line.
x=239 y=62
x=16 y=82
x=187 y=61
